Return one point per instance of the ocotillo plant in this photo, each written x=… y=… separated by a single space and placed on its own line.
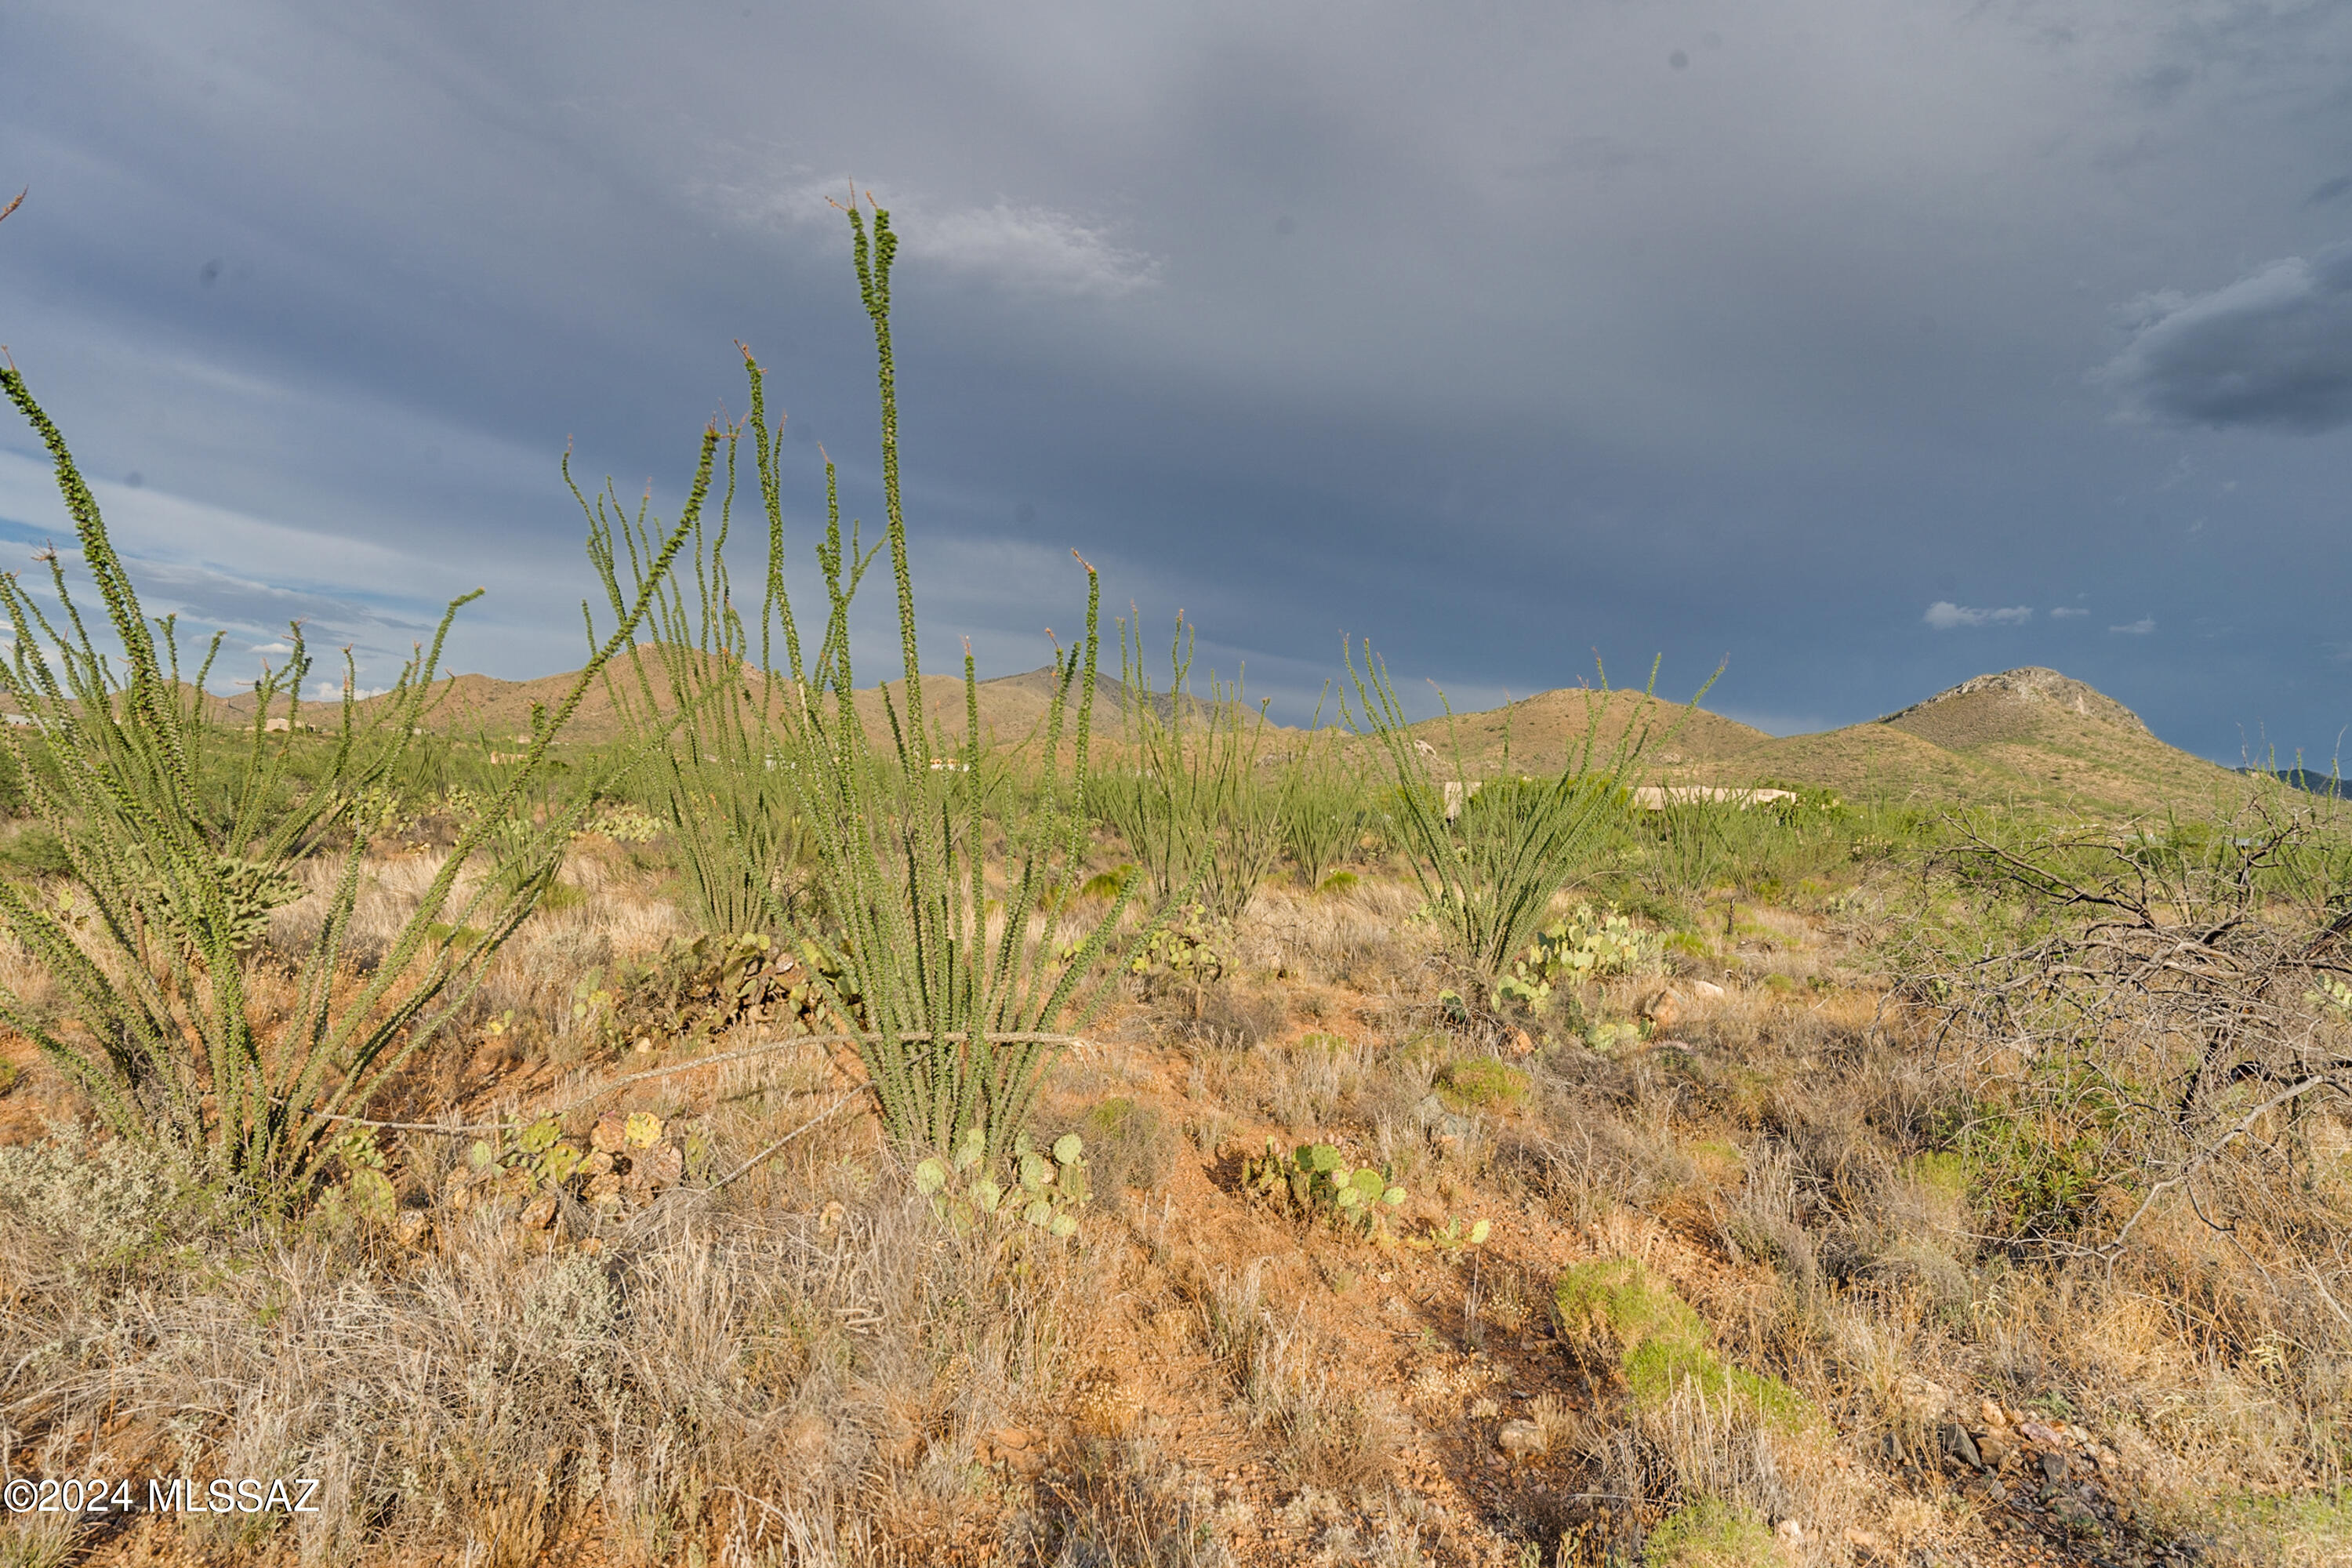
x=703 y=710
x=181 y=833
x=1323 y=803
x=942 y=930
x=1489 y=873
x=1189 y=800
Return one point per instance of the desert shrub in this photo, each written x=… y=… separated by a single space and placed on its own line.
x=1707 y=1533
x=183 y=834
x=102 y=1204
x=1483 y=1083
x=1487 y=873
x=36 y=851
x=1616 y=1315
x=1129 y=1144
x=2038 y=1176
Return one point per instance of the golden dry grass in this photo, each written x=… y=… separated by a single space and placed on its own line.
x=809 y=1367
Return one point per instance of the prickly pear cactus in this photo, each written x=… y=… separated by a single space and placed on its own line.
x=1316 y=1182
x=1046 y=1191
x=627 y=1161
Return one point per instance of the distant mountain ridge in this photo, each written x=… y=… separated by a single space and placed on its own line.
x=2030 y=734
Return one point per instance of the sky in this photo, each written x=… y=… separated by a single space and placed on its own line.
x=1856 y=348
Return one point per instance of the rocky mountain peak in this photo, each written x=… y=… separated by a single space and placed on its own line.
x=2035 y=684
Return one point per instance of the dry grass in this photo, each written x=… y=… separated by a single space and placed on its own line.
x=810 y=1368
x=748 y=1375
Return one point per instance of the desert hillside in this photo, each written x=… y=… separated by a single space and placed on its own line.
x=2028 y=736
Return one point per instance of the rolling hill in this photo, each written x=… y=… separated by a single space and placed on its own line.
x=2028 y=736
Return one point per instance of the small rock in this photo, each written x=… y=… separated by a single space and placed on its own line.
x=608 y=1136
x=539 y=1213
x=1956 y=1442
x=1704 y=990
x=1922 y=1398
x=1789 y=1531
x=2053 y=1467
x=1520 y=1440
x=1996 y=1448
x=662 y=1165
x=1011 y=1438
x=1664 y=1009
x=1993 y=1415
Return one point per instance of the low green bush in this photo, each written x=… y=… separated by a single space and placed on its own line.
x=1708 y=1534
x=1482 y=1083
x=36 y=851
x=1613 y=1311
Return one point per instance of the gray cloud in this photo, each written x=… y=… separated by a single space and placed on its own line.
x=1489 y=332
x=1021 y=247
x=2272 y=350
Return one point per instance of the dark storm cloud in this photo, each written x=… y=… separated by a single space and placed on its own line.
x=2272 y=350
x=1498 y=333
